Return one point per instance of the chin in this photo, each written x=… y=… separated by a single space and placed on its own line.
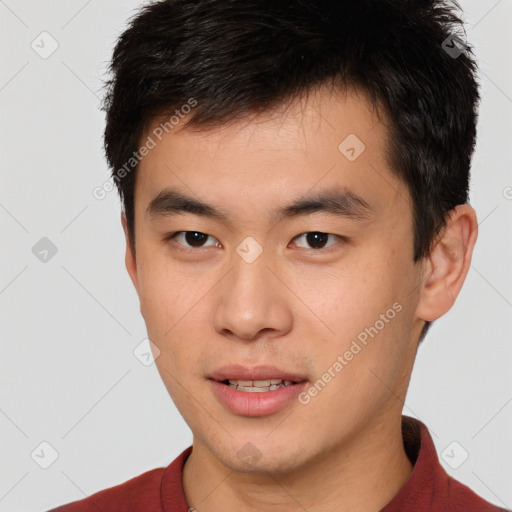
x=252 y=456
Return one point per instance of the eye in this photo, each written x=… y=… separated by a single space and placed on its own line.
x=317 y=239
x=194 y=239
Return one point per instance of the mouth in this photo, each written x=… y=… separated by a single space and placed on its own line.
x=256 y=379
x=256 y=391
x=257 y=386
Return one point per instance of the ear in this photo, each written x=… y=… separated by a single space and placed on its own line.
x=446 y=268
x=129 y=259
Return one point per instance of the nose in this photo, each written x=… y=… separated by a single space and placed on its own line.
x=252 y=302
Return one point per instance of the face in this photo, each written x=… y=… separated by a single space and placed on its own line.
x=285 y=245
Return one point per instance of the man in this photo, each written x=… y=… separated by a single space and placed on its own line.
x=294 y=177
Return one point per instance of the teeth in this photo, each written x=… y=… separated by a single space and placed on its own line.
x=263 y=383
x=258 y=386
x=244 y=382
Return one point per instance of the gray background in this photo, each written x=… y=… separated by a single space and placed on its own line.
x=68 y=375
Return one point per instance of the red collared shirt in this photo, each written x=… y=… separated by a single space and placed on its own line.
x=429 y=488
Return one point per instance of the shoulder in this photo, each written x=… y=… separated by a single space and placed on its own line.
x=462 y=498
x=430 y=487
x=139 y=493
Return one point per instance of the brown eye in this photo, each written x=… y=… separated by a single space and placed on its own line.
x=317 y=239
x=193 y=239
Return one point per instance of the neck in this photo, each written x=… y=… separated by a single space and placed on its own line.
x=364 y=473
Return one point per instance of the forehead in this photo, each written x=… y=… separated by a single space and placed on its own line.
x=327 y=139
x=294 y=121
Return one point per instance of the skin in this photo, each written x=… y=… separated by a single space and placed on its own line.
x=296 y=307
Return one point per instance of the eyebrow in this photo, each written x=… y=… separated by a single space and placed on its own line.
x=336 y=201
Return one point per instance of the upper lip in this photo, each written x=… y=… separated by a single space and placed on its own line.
x=240 y=372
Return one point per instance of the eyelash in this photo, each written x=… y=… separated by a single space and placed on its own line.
x=172 y=236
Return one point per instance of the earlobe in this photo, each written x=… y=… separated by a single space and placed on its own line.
x=447 y=265
x=130 y=260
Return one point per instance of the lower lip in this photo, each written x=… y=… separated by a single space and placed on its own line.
x=245 y=403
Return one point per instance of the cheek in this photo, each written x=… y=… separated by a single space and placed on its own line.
x=368 y=359
x=165 y=293
x=173 y=308
x=354 y=297
x=364 y=312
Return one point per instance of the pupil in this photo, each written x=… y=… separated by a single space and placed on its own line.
x=194 y=238
x=316 y=239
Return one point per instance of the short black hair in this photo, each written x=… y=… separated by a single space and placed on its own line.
x=239 y=57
